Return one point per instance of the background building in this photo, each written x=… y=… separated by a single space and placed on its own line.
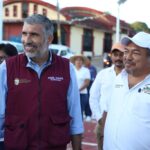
x=84 y=30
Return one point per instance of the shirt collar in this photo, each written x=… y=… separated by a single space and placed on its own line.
x=32 y=63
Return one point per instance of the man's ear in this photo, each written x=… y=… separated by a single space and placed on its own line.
x=50 y=39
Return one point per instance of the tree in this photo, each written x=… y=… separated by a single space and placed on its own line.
x=140 y=26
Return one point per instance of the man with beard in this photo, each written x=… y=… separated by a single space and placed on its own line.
x=128 y=120
x=40 y=103
x=101 y=87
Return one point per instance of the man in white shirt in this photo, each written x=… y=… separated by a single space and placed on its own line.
x=100 y=90
x=128 y=120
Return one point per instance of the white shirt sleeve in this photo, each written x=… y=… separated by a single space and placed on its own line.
x=87 y=74
x=95 y=94
x=74 y=107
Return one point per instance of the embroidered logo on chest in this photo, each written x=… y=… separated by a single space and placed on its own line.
x=146 y=89
x=53 y=78
x=18 y=81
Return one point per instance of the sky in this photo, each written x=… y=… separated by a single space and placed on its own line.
x=130 y=11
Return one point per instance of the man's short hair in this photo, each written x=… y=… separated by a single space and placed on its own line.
x=43 y=20
x=8 y=49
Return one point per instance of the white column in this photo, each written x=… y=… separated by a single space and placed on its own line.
x=118 y=24
x=1 y=20
x=58 y=23
x=118 y=20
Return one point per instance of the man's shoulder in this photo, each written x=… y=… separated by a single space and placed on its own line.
x=59 y=58
x=106 y=70
x=83 y=68
x=16 y=58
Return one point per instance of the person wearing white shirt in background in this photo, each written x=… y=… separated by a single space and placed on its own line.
x=83 y=80
x=100 y=90
x=127 y=124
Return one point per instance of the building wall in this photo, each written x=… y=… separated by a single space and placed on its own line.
x=12 y=32
x=76 y=34
x=114 y=37
x=52 y=14
x=13 y=25
x=98 y=42
x=10 y=7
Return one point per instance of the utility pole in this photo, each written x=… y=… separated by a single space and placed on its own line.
x=58 y=23
x=118 y=20
x=1 y=20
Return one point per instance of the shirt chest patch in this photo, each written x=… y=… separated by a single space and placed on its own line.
x=118 y=85
x=146 y=89
x=55 y=78
x=18 y=81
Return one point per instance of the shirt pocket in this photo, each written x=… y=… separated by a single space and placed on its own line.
x=15 y=134
x=59 y=130
x=141 y=106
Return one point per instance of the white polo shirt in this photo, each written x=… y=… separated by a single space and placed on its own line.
x=82 y=74
x=128 y=120
x=100 y=91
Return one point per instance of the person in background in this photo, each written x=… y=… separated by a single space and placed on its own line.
x=101 y=89
x=40 y=102
x=83 y=80
x=127 y=124
x=6 y=51
x=93 y=73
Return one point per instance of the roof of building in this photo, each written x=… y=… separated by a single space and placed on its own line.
x=91 y=18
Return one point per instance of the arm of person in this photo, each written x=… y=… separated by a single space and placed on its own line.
x=76 y=141
x=3 y=91
x=85 y=84
x=102 y=121
x=74 y=108
x=87 y=78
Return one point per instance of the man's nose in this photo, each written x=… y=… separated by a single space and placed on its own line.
x=28 y=38
x=128 y=56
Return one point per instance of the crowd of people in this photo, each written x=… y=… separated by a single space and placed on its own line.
x=46 y=98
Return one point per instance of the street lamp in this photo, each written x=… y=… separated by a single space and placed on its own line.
x=1 y=20
x=118 y=20
x=58 y=24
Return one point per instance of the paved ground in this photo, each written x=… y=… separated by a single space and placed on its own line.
x=89 y=139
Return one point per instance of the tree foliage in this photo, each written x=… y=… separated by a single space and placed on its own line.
x=140 y=26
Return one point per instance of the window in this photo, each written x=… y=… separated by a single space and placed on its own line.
x=6 y=12
x=107 y=42
x=24 y=10
x=63 y=36
x=88 y=40
x=44 y=12
x=35 y=9
x=15 y=11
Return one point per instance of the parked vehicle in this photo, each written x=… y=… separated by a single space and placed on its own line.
x=61 y=50
x=18 y=45
x=107 y=62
